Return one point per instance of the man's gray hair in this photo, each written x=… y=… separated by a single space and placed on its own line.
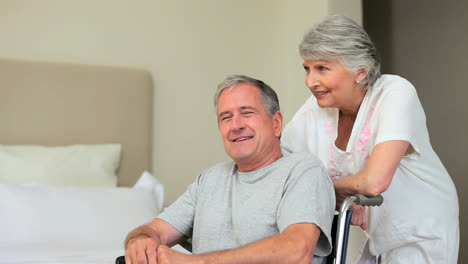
x=269 y=97
x=340 y=38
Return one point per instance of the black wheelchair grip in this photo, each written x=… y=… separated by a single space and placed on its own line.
x=120 y=260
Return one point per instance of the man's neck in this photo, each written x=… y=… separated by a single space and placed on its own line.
x=255 y=165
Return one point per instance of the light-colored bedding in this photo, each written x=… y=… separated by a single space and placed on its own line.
x=76 y=165
x=34 y=213
x=60 y=253
x=54 y=224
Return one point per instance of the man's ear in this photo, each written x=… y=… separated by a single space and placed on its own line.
x=278 y=123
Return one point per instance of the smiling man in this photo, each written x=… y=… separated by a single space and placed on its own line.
x=262 y=207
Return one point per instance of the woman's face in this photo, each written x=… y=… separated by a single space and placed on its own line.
x=334 y=85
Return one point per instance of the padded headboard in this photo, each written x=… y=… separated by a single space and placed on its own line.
x=44 y=103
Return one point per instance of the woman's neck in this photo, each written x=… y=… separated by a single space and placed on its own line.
x=352 y=109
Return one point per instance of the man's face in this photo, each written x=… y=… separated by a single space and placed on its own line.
x=250 y=135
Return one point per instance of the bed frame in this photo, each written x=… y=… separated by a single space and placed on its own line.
x=43 y=103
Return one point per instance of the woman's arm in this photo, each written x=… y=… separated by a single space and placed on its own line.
x=373 y=179
x=378 y=173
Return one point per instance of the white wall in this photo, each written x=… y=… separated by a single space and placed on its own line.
x=188 y=46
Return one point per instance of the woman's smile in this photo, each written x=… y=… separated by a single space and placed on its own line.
x=320 y=95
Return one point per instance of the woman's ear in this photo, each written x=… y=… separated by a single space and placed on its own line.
x=361 y=75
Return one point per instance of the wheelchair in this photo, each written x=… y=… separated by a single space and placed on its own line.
x=342 y=223
x=340 y=227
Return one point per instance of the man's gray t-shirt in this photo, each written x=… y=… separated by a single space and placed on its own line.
x=225 y=208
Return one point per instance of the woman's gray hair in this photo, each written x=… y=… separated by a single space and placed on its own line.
x=340 y=38
x=269 y=97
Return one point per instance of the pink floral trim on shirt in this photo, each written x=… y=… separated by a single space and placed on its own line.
x=362 y=146
x=361 y=152
x=333 y=170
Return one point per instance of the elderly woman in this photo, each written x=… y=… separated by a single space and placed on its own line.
x=370 y=132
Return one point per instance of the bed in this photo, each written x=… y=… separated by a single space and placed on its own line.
x=75 y=160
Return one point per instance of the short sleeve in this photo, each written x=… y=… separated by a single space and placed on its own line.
x=303 y=133
x=295 y=132
x=180 y=214
x=400 y=115
x=309 y=197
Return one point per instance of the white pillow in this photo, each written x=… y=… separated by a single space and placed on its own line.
x=75 y=165
x=33 y=213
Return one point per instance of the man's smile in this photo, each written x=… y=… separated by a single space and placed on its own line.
x=242 y=139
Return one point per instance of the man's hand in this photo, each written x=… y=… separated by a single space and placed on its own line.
x=141 y=245
x=359 y=216
x=142 y=250
x=170 y=256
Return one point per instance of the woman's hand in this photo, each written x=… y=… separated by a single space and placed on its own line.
x=359 y=217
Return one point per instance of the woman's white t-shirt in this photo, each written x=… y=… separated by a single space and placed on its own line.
x=421 y=202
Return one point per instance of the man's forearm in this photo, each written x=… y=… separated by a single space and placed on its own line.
x=159 y=230
x=292 y=246
x=259 y=252
x=142 y=231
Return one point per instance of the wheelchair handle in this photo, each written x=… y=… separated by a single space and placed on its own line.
x=368 y=201
x=355 y=199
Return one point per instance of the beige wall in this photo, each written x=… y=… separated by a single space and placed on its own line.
x=349 y=8
x=188 y=46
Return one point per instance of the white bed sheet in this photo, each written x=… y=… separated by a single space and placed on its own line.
x=56 y=252
x=64 y=253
